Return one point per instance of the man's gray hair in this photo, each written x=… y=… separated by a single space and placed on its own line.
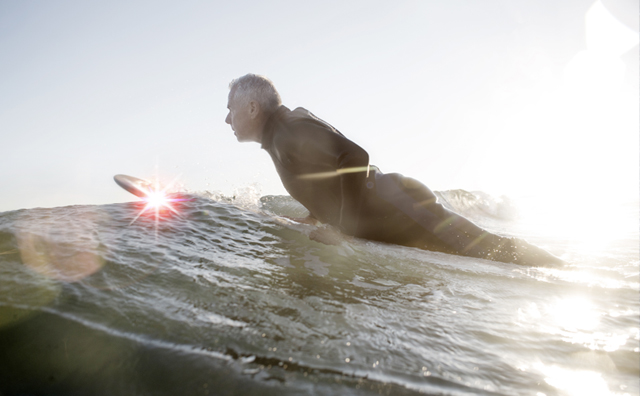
x=255 y=87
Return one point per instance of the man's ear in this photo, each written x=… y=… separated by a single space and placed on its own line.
x=254 y=109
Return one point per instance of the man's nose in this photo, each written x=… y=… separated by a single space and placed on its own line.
x=228 y=119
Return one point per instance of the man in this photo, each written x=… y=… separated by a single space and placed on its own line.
x=331 y=177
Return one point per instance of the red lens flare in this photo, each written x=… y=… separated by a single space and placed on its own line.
x=158 y=201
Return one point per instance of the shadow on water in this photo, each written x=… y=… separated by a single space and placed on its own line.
x=50 y=354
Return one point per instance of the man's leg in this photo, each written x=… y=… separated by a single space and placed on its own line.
x=420 y=204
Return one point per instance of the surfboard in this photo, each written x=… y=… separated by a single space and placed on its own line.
x=138 y=187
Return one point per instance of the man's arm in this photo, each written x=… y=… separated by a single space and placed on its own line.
x=322 y=169
x=353 y=168
x=343 y=159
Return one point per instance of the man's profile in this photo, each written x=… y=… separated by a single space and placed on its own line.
x=331 y=177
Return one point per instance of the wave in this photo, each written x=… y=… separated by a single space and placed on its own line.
x=474 y=204
x=478 y=203
x=226 y=292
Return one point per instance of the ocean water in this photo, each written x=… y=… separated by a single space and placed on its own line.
x=226 y=297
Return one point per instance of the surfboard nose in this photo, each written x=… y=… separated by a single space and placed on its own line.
x=135 y=186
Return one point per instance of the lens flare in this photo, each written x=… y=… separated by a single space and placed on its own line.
x=158 y=201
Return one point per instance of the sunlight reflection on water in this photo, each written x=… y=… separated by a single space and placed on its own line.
x=575 y=382
x=575 y=313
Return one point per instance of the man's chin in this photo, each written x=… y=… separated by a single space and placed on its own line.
x=243 y=139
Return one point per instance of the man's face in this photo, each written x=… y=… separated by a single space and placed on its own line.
x=242 y=119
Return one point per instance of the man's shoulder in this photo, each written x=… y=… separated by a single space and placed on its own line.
x=304 y=119
x=299 y=114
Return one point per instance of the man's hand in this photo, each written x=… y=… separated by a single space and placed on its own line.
x=324 y=233
x=303 y=220
x=328 y=235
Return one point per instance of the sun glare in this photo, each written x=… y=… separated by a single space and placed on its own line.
x=583 y=163
x=592 y=226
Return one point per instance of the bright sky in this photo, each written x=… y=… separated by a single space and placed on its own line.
x=520 y=98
